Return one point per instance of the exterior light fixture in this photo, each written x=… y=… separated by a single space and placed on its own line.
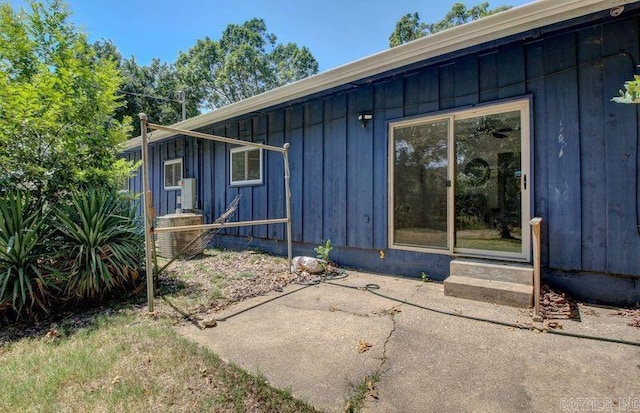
x=364 y=118
x=616 y=11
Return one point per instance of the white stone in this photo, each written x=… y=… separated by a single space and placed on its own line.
x=308 y=264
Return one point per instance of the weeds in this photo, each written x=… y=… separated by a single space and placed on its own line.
x=361 y=391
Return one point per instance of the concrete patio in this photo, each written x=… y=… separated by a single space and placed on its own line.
x=306 y=340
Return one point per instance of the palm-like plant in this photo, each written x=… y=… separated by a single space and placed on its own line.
x=22 y=246
x=101 y=243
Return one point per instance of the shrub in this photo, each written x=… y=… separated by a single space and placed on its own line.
x=23 y=233
x=323 y=250
x=100 y=243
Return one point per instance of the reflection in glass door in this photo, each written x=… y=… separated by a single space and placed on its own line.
x=420 y=185
x=458 y=182
x=488 y=172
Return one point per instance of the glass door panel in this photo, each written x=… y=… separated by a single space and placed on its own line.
x=420 y=184
x=488 y=213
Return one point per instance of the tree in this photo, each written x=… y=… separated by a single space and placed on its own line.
x=409 y=27
x=57 y=105
x=153 y=89
x=247 y=60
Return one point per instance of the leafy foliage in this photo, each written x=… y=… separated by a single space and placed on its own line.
x=631 y=92
x=153 y=89
x=100 y=243
x=245 y=61
x=57 y=101
x=409 y=27
x=23 y=284
x=323 y=250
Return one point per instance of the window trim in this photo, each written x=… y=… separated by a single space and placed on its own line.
x=169 y=162
x=525 y=105
x=245 y=182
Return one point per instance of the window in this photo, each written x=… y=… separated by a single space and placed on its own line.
x=172 y=173
x=458 y=182
x=246 y=166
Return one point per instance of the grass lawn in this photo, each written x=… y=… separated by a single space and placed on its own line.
x=127 y=360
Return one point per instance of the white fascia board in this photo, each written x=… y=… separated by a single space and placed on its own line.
x=511 y=22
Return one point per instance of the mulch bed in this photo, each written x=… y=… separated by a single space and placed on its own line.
x=557 y=306
x=632 y=314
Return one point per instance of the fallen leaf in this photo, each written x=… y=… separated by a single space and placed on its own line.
x=371 y=390
x=363 y=346
x=555 y=324
x=116 y=380
x=209 y=323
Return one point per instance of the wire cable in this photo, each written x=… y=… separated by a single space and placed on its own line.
x=372 y=288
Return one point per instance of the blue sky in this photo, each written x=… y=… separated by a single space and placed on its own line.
x=336 y=31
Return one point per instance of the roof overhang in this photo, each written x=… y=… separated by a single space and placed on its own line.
x=508 y=23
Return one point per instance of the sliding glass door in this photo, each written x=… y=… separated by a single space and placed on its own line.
x=459 y=182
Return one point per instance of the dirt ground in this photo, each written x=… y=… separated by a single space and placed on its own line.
x=194 y=290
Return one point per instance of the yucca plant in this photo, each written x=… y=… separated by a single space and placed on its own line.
x=101 y=244
x=23 y=283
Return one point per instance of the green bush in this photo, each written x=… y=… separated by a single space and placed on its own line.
x=101 y=244
x=23 y=231
x=323 y=250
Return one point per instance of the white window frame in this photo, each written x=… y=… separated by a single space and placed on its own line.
x=521 y=104
x=170 y=162
x=245 y=181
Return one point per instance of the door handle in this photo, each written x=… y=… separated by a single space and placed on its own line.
x=520 y=175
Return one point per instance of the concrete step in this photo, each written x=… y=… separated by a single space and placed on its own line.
x=491 y=291
x=493 y=271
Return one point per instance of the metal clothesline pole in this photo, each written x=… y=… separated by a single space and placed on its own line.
x=147 y=208
x=215 y=138
x=148 y=202
x=287 y=178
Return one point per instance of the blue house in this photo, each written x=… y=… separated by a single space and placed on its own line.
x=441 y=150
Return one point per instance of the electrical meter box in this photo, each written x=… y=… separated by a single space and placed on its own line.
x=188 y=194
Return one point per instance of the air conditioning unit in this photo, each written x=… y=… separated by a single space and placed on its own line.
x=188 y=194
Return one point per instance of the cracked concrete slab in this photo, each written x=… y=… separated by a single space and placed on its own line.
x=307 y=341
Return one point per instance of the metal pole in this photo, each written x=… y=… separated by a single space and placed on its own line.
x=184 y=105
x=147 y=208
x=287 y=175
x=535 y=225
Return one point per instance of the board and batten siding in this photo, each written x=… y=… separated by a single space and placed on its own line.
x=584 y=152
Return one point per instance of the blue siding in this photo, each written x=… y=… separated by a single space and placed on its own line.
x=380 y=168
x=275 y=174
x=592 y=150
x=488 y=77
x=563 y=152
x=294 y=129
x=360 y=168
x=231 y=131
x=583 y=152
x=620 y=45
x=312 y=176
x=260 y=192
x=466 y=78
x=335 y=156
x=536 y=87
x=245 y=210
